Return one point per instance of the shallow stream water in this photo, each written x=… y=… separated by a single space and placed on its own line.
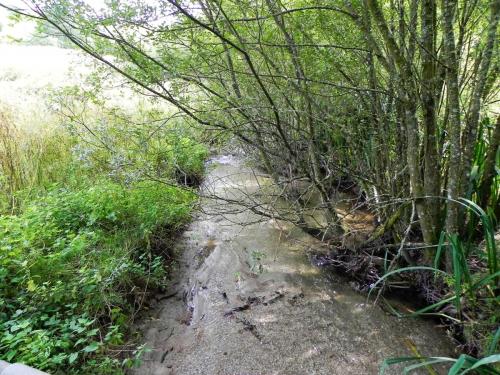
x=246 y=300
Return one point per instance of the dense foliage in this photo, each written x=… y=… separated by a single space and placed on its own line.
x=76 y=263
x=87 y=235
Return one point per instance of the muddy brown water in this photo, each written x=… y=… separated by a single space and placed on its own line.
x=247 y=301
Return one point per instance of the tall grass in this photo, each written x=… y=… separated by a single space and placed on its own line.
x=457 y=366
x=469 y=291
x=30 y=160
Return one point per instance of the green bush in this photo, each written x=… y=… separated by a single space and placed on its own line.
x=186 y=160
x=74 y=265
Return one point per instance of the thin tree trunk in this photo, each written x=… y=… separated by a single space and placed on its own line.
x=432 y=182
x=455 y=159
x=489 y=166
x=472 y=121
x=315 y=173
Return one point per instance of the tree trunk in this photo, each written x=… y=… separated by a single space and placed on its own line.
x=489 y=167
x=455 y=158
x=472 y=122
x=432 y=182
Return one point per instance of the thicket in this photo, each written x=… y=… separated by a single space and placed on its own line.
x=86 y=236
x=394 y=100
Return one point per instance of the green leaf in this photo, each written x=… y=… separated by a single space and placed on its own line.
x=494 y=342
x=91 y=347
x=10 y=354
x=459 y=364
x=72 y=358
x=31 y=286
x=485 y=361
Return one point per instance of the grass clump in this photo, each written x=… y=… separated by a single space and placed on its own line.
x=465 y=297
x=30 y=160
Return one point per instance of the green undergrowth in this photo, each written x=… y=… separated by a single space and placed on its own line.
x=75 y=264
x=467 y=299
x=88 y=217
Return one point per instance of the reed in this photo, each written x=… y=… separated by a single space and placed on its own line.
x=469 y=290
x=30 y=160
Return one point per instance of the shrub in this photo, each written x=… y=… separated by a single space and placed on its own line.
x=75 y=264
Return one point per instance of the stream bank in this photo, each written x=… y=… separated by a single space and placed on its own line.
x=247 y=300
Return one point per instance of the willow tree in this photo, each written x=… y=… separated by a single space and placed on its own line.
x=391 y=96
x=441 y=69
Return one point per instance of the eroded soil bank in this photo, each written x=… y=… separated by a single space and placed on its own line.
x=247 y=301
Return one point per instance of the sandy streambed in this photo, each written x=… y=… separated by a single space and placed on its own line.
x=247 y=301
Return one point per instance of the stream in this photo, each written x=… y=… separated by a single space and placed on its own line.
x=246 y=300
